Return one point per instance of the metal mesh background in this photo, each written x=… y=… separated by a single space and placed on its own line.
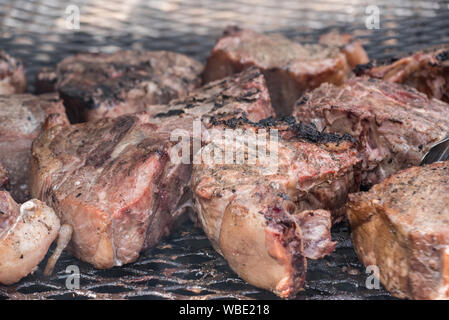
x=185 y=266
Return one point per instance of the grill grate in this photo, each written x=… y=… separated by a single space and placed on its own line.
x=185 y=266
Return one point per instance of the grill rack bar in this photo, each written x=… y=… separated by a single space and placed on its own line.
x=185 y=266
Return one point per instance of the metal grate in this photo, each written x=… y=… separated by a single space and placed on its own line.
x=185 y=266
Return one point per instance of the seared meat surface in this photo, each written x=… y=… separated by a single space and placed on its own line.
x=244 y=94
x=289 y=67
x=95 y=86
x=263 y=216
x=12 y=75
x=402 y=226
x=21 y=120
x=427 y=71
x=3 y=177
x=26 y=233
x=115 y=180
x=395 y=125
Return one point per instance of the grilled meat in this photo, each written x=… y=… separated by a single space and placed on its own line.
x=244 y=94
x=263 y=216
x=95 y=86
x=46 y=80
x=353 y=50
x=26 y=233
x=115 y=180
x=12 y=75
x=402 y=226
x=427 y=71
x=289 y=67
x=21 y=120
x=4 y=180
x=394 y=124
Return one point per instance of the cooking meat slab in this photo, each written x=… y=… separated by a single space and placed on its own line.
x=100 y=85
x=289 y=67
x=268 y=216
x=114 y=180
x=402 y=226
x=21 y=120
x=12 y=75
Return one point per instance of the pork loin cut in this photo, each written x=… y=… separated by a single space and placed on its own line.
x=395 y=125
x=353 y=50
x=243 y=94
x=267 y=216
x=402 y=226
x=95 y=86
x=26 y=233
x=427 y=71
x=289 y=67
x=115 y=181
x=21 y=120
x=12 y=75
x=46 y=80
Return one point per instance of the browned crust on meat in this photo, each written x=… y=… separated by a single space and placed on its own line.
x=353 y=49
x=402 y=226
x=3 y=177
